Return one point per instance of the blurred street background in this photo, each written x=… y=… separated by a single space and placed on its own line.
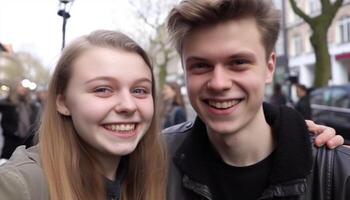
x=313 y=50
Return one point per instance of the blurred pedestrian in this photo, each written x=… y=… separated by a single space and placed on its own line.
x=174 y=111
x=278 y=98
x=40 y=98
x=19 y=115
x=303 y=104
x=39 y=101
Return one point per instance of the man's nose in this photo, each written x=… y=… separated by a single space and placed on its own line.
x=220 y=79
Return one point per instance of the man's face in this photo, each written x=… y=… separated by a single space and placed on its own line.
x=300 y=92
x=21 y=90
x=226 y=71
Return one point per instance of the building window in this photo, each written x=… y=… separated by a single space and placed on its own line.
x=297 y=45
x=344 y=29
x=314 y=6
x=293 y=18
x=308 y=46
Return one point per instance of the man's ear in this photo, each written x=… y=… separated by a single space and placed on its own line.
x=61 y=105
x=271 y=66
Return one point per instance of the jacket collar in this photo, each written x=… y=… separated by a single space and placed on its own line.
x=292 y=158
x=33 y=153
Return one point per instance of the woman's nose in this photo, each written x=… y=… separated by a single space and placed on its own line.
x=125 y=103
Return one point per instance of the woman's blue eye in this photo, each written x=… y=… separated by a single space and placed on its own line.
x=102 y=90
x=140 y=91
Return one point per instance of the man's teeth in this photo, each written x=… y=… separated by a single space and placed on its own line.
x=223 y=104
x=120 y=127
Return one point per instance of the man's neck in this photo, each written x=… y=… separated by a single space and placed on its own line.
x=247 y=146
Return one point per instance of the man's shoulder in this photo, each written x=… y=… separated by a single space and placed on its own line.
x=179 y=128
x=175 y=135
x=343 y=152
x=339 y=157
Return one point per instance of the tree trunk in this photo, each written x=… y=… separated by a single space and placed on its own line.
x=319 y=41
x=323 y=62
x=162 y=74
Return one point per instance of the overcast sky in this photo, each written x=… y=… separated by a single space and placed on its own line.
x=35 y=27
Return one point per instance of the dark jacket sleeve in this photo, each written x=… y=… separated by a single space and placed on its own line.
x=341 y=173
x=9 y=119
x=332 y=173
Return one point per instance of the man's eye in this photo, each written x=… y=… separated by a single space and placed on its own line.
x=199 y=66
x=239 y=61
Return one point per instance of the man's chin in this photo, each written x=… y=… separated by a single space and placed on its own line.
x=222 y=129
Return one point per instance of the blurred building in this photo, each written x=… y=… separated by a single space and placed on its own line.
x=6 y=58
x=301 y=59
x=282 y=70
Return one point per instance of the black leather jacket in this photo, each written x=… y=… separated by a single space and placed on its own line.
x=303 y=172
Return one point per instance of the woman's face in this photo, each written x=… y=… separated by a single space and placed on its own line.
x=109 y=99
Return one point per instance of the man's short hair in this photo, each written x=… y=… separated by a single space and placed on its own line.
x=191 y=14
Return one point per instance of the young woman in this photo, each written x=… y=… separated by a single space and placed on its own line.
x=99 y=137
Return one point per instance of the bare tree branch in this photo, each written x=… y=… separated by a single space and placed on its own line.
x=152 y=13
x=325 y=3
x=142 y=15
x=336 y=5
x=299 y=12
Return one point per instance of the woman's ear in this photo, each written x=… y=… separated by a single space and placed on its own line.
x=61 y=105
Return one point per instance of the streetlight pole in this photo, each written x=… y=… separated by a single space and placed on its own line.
x=285 y=47
x=63 y=11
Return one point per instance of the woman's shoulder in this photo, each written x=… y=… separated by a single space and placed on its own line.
x=21 y=177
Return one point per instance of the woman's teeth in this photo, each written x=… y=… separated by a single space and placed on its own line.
x=120 y=127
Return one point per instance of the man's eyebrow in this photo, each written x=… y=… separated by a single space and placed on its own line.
x=242 y=54
x=195 y=58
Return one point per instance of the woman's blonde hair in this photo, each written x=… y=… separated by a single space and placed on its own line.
x=71 y=171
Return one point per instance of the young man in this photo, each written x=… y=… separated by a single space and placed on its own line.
x=239 y=147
